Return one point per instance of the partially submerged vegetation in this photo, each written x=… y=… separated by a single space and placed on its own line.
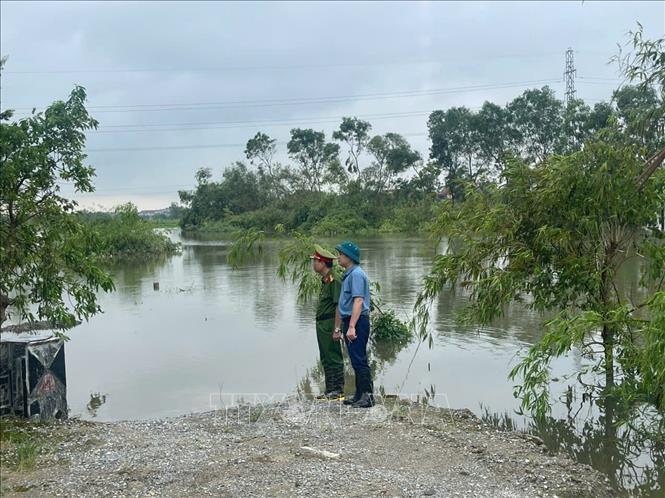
x=555 y=234
x=51 y=259
x=124 y=235
x=544 y=203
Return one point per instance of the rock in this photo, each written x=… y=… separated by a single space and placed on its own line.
x=307 y=450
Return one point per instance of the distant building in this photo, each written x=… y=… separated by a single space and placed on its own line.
x=155 y=213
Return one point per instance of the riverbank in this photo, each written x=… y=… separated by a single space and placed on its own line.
x=292 y=448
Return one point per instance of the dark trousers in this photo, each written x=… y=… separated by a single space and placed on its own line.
x=358 y=354
x=331 y=355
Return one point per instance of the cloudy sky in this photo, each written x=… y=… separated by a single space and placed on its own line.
x=178 y=86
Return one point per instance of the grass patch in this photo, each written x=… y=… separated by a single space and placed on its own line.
x=20 y=444
x=255 y=414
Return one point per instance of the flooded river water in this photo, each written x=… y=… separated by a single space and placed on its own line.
x=211 y=332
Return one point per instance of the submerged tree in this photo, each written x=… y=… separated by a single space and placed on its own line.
x=48 y=268
x=555 y=235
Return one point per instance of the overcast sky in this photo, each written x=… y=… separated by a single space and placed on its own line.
x=199 y=79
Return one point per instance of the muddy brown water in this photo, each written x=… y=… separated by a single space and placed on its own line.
x=211 y=335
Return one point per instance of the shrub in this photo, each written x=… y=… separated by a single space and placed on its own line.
x=338 y=223
x=125 y=235
x=387 y=328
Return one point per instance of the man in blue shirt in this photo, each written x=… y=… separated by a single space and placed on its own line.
x=352 y=321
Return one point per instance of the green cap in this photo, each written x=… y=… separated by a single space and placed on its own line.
x=322 y=254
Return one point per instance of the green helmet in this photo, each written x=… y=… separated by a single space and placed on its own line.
x=349 y=249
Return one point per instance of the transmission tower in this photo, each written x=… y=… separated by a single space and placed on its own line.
x=569 y=76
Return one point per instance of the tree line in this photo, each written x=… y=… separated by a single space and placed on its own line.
x=357 y=181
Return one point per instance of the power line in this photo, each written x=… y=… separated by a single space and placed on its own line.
x=601 y=83
x=199 y=146
x=304 y=101
x=269 y=67
x=250 y=124
x=599 y=78
x=211 y=125
x=291 y=66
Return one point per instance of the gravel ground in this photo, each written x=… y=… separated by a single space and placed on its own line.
x=298 y=448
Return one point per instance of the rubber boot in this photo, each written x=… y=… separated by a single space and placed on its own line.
x=356 y=397
x=328 y=377
x=335 y=386
x=366 y=399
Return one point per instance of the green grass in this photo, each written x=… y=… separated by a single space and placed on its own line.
x=255 y=414
x=19 y=444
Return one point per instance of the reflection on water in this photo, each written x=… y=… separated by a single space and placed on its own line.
x=632 y=455
x=211 y=330
x=381 y=357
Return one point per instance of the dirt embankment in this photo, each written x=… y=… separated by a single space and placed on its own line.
x=295 y=448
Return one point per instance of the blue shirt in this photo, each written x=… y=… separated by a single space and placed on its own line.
x=354 y=284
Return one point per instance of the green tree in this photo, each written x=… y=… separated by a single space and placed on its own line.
x=494 y=136
x=455 y=147
x=392 y=155
x=559 y=232
x=354 y=133
x=206 y=202
x=536 y=118
x=644 y=66
x=580 y=122
x=273 y=177
x=425 y=181
x=240 y=189
x=555 y=235
x=575 y=126
x=176 y=211
x=48 y=259
x=635 y=107
x=261 y=149
x=442 y=126
x=317 y=160
x=472 y=148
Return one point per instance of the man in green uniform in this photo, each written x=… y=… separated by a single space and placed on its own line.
x=329 y=349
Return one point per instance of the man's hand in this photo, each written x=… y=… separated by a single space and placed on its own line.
x=337 y=335
x=351 y=334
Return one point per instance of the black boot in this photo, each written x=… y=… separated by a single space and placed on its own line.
x=365 y=401
x=361 y=387
x=359 y=392
x=366 y=398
